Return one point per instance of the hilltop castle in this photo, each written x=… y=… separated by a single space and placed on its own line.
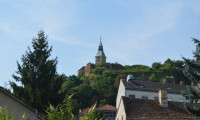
x=99 y=58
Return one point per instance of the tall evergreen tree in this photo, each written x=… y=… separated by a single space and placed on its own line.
x=37 y=74
x=192 y=72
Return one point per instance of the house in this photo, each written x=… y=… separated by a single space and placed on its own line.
x=149 y=90
x=15 y=107
x=147 y=109
x=109 y=112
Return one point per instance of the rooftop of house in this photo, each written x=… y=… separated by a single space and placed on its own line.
x=105 y=107
x=151 y=109
x=143 y=85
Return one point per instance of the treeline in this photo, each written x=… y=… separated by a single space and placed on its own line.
x=41 y=84
x=104 y=77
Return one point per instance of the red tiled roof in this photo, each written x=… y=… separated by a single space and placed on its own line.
x=84 y=111
x=105 y=107
x=151 y=109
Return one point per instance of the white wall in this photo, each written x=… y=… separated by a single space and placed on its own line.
x=151 y=95
x=121 y=92
x=15 y=108
x=120 y=112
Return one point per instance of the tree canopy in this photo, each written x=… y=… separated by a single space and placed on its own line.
x=192 y=72
x=37 y=75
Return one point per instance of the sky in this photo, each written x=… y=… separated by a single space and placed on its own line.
x=132 y=31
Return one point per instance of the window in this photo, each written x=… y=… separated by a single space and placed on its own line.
x=155 y=98
x=132 y=96
x=180 y=99
x=145 y=97
x=170 y=99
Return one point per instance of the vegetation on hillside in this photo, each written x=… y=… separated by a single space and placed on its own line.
x=41 y=84
x=104 y=79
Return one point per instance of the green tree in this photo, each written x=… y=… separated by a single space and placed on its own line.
x=192 y=72
x=155 y=77
x=72 y=81
x=156 y=65
x=117 y=80
x=83 y=95
x=37 y=75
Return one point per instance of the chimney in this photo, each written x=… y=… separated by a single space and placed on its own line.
x=163 y=97
x=129 y=77
x=182 y=83
x=192 y=83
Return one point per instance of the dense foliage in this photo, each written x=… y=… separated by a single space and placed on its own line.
x=40 y=84
x=104 y=77
x=63 y=111
x=37 y=75
x=4 y=114
x=192 y=72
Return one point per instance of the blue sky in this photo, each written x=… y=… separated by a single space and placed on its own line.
x=133 y=31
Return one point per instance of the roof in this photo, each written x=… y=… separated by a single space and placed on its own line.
x=16 y=99
x=100 y=44
x=105 y=107
x=100 y=50
x=84 y=111
x=153 y=86
x=151 y=109
x=100 y=53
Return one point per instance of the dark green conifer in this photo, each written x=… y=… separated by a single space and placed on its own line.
x=192 y=72
x=37 y=75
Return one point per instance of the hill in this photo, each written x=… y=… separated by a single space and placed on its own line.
x=101 y=81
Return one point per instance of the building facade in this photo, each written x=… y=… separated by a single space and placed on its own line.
x=149 y=90
x=15 y=107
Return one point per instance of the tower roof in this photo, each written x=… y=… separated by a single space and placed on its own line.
x=100 y=50
x=100 y=53
x=100 y=44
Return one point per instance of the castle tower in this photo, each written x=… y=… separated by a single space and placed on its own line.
x=100 y=57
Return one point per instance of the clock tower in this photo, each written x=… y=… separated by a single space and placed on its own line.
x=100 y=57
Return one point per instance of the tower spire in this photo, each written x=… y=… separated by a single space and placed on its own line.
x=100 y=44
x=100 y=57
